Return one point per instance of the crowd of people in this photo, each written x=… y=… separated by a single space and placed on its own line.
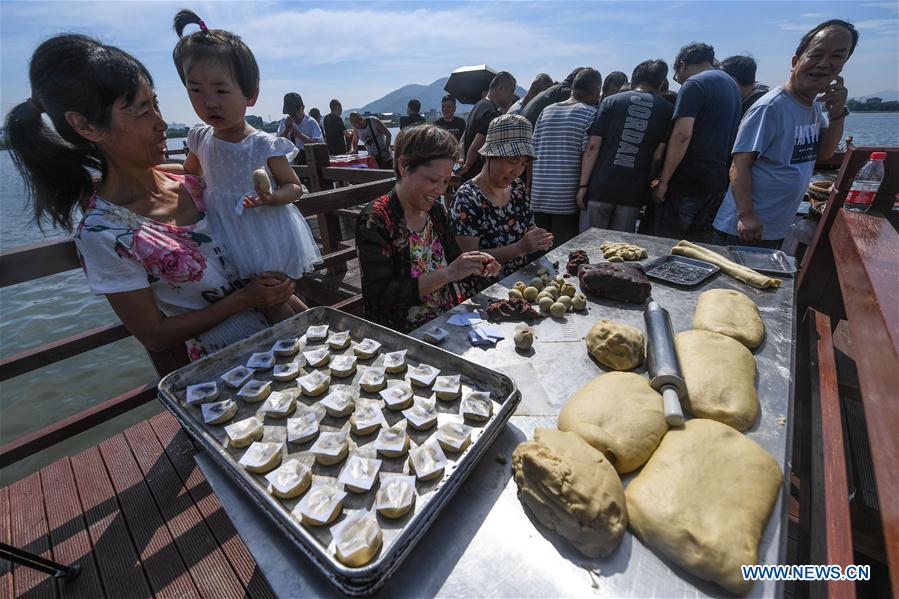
x=208 y=252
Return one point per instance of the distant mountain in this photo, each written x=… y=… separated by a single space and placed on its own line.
x=886 y=96
x=428 y=95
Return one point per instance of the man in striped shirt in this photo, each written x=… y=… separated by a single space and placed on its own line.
x=560 y=138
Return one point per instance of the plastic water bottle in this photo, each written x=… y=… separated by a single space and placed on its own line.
x=866 y=183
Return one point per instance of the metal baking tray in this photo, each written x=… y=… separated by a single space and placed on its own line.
x=400 y=535
x=680 y=270
x=763 y=259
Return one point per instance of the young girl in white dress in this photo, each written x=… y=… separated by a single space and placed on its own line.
x=262 y=230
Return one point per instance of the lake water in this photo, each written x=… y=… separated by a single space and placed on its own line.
x=42 y=311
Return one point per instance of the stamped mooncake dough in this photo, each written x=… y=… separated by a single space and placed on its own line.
x=572 y=489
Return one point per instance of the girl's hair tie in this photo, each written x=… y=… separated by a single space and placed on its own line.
x=203 y=27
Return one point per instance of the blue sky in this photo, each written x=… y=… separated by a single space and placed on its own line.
x=359 y=52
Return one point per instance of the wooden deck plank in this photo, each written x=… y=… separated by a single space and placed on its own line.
x=68 y=535
x=181 y=451
x=29 y=533
x=207 y=565
x=161 y=561
x=117 y=560
x=6 y=582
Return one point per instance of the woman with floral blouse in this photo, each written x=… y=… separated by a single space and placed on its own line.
x=144 y=240
x=492 y=212
x=408 y=255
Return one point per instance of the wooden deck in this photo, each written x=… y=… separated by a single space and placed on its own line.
x=138 y=516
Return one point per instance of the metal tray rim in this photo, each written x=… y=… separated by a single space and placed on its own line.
x=376 y=573
x=708 y=266
x=734 y=252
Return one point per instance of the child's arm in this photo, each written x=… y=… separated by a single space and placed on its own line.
x=192 y=165
x=289 y=189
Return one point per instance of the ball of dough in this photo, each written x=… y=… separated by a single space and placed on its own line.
x=515 y=294
x=703 y=501
x=519 y=286
x=579 y=302
x=564 y=299
x=617 y=345
x=524 y=338
x=571 y=489
x=530 y=293
x=553 y=291
x=568 y=289
x=537 y=282
x=730 y=313
x=619 y=414
x=546 y=303
x=720 y=376
x=558 y=310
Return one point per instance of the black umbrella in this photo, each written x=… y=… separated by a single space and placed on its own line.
x=468 y=84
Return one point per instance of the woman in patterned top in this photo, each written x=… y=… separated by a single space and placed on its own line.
x=492 y=212
x=408 y=255
x=144 y=239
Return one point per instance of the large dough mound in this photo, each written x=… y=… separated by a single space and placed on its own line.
x=730 y=313
x=703 y=500
x=617 y=345
x=619 y=414
x=720 y=376
x=571 y=489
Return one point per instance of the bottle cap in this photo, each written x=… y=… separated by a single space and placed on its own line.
x=878 y=155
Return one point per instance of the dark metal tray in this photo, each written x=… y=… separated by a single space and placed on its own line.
x=763 y=259
x=401 y=535
x=680 y=270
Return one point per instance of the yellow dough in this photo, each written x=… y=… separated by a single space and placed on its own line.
x=720 y=376
x=617 y=345
x=619 y=414
x=737 y=271
x=572 y=489
x=730 y=313
x=703 y=500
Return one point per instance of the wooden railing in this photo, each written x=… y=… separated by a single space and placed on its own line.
x=29 y=263
x=845 y=407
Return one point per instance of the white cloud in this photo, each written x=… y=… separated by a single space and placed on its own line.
x=877 y=24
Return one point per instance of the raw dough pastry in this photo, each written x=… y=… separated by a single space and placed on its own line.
x=286 y=372
x=202 y=393
x=737 y=271
x=290 y=480
x=218 y=412
x=261 y=361
x=357 y=539
x=261 y=457
x=703 y=500
x=367 y=348
x=572 y=489
x=255 y=391
x=321 y=505
x=395 y=362
x=339 y=340
x=617 y=345
x=619 y=414
x=286 y=347
x=720 y=376
x=243 y=432
x=342 y=366
x=395 y=496
x=619 y=252
x=730 y=313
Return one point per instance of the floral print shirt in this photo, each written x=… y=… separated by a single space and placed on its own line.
x=426 y=252
x=384 y=244
x=184 y=266
x=474 y=215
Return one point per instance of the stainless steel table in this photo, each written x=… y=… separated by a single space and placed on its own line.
x=485 y=544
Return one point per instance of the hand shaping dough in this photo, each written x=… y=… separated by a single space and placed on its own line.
x=730 y=313
x=703 y=500
x=720 y=376
x=619 y=414
x=571 y=489
x=617 y=345
x=737 y=271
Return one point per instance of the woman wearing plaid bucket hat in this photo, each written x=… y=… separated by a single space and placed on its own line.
x=408 y=255
x=492 y=212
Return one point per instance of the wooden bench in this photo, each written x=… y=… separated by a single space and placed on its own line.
x=845 y=408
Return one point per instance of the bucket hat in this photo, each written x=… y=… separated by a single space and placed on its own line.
x=509 y=135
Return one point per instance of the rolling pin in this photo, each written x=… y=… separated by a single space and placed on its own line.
x=664 y=369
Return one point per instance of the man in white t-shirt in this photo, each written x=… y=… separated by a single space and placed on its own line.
x=782 y=136
x=297 y=126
